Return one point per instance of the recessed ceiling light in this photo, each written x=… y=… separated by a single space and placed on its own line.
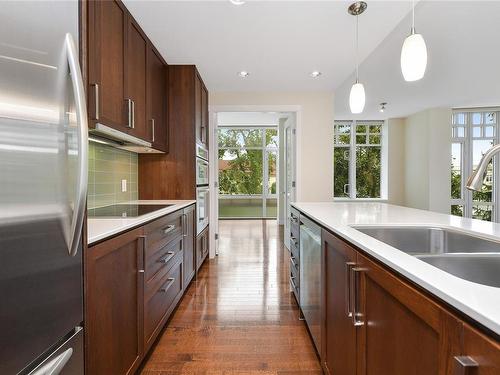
x=237 y=2
x=243 y=74
x=382 y=107
x=315 y=74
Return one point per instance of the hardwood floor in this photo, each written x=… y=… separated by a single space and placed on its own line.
x=239 y=317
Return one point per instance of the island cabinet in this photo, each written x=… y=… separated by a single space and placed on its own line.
x=133 y=282
x=481 y=354
x=376 y=323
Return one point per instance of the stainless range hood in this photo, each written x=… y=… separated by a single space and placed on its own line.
x=106 y=135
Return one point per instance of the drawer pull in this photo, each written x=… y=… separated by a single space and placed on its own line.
x=464 y=365
x=169 y=256
x=168 y=285
x=295 y=265
x=294 y=240
x=292 y=278
x=168 y=228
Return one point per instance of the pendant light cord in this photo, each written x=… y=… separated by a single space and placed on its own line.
x=413 y=16
x=357 y=47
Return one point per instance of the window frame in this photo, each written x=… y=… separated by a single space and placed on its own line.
x=467 y=159
x=352 y=148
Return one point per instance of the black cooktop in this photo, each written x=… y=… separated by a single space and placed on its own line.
x=125 y=210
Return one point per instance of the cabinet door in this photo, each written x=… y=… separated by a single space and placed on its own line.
x=188 y=245
x=485 y=352
x=400 y=330
x=339 y=344
x=202 y=247
x=114 y=304
x=135 y=80
x=198 y=109
x=157 y=100
x=106 y=56
x=204 y=115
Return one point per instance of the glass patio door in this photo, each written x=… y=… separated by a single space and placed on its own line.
x=248 y=172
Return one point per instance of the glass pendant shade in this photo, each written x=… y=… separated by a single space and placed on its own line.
x=357 y=98
x=413 y=57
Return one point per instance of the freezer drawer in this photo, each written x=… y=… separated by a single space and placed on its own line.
x=67 y=359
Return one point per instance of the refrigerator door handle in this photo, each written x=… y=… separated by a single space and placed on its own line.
x=81 y=115
x=55 y=366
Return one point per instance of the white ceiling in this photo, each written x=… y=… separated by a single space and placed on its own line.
x=278 y=42
x=463 y=67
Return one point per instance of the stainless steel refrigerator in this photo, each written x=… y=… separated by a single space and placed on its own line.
x=43 y=180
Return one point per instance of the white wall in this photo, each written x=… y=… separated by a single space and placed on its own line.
x=427 y=147
x=314 y=135
x=396 y=161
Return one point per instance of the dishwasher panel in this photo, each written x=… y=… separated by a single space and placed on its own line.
x=310 y=277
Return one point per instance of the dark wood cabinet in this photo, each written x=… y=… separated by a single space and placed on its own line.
x=482 y=350
x=157 y=99
x=114 y=280
x=201 y=111
x=375 y=323
x=399 y=329
x=173 y=175
x=339 y=333
x=135 y=78
x=108 y=24
x=189 y=245
x=202 y=247
x=127 y=76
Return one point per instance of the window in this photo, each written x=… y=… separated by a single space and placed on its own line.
x=357 y=159
x=473 y=132
x=248 y=163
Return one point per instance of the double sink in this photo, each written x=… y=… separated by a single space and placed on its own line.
x=463 y=255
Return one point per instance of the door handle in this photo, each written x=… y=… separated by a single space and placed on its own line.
x=168 y=228
x=81 y=115
x=96 y=98
x=153 y=129
x=357 y=316
x=55 y=366
x=170 y=282
x=464 y=365
x=348 y=288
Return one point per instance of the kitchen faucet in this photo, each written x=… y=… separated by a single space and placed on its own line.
x=475 y=181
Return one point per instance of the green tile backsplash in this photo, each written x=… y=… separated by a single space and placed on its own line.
x=108 y=166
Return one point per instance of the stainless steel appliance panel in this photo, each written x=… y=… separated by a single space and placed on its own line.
x=202 y=208
x=310 y=277
x=201 y=172
x=43 y=179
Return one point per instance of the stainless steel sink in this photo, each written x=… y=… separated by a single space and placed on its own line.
x=463 y=255
x=478 y=268
x=430 y=240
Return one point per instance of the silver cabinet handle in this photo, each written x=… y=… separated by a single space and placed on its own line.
x=96 y=97
x=170 y=282
x=131 y=114
x=464 y=365
x=294 y=264
x=81 y=115
x=357 y=316
x=153 y=129
x=184 y=225
x=166 y=259
x=168 y=228
x=294 y=240
x=294 y=218
x=292 y=278
x=55 y=366
x=348 y=288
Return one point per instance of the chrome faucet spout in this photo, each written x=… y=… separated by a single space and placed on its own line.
x=475 y=181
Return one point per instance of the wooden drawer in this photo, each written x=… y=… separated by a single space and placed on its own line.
x=160 y=232
x=164 y=257
x=161 y=301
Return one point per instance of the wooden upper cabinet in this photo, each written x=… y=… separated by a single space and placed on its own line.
x=135 y=78
x=106 y=57
x=484 y=351
x=201 y=111
x=399 y=329
x=157 y=99
x=339 y=335
x=114 y=304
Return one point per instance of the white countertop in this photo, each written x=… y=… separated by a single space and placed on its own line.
x=480 y=302
x=101 y=228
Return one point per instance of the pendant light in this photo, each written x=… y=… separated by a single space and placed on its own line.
x=357 y=95
x=413 y=54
